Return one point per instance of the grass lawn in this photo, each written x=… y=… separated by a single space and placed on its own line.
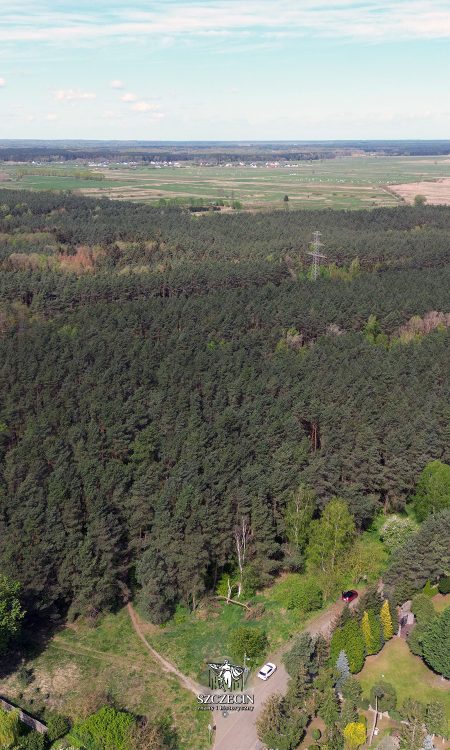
x=441 y=602
x=406 y=672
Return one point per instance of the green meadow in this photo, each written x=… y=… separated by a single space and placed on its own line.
x=343 y=182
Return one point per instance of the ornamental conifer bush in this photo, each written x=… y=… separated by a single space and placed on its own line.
x=343 y=669
x=371 y=630
x=350 y=639
x=386 y=621
x=354 y=734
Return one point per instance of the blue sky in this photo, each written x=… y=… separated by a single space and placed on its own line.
x=224 y=69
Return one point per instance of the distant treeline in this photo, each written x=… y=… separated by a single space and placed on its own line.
x=212 y=152
x=211 y=156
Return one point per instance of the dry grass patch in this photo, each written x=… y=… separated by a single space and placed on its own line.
x=436 y=192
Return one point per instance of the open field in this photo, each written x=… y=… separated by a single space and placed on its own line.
x=436 y=192
x=344 y=182
x=205 y=635
x=409 y=675
x=82 y=664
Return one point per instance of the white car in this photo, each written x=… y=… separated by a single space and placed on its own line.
x=266 y=671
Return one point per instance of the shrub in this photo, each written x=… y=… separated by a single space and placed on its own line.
x=355 y=734
x=25 y=675
x=9 y=728
x=444 y=585
x=181 y=614
x=251 y=581
x=429 y=589
x=423 y=609
x=386 y=621
x=57 y=726
x=153 y=735
x=250 y=641
x=108 y=729
x=396 y=531
x=300 y=653
x=305 y=595
x=371 y=630
x=33 y=741
x=316 y=734
x=436 y=644
x=415 y=639
x=298 y=592
x=350 y=639
x=222 y=586
x=386 y=694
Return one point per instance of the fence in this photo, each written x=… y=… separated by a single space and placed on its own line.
x=38 y=726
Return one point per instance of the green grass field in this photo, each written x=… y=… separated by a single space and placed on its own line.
x=205 y=635
x=344 y=182
x=83 y=661
x=406 y=672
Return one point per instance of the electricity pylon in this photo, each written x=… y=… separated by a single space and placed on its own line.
x=316 y=255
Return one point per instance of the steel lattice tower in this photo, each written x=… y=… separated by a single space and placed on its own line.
x=316 y=254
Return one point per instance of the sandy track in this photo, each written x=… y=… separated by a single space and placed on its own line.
x=166 y=665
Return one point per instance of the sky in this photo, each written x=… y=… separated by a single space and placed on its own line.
x=225 y=69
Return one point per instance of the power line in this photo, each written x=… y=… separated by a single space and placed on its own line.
x=316 y=255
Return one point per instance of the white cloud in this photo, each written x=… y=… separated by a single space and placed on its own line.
x=72 y=95
x=2 y=83
x=51 y=116
x=129 y=98
x=145 y=107
x=116 y=85
x=350 y=19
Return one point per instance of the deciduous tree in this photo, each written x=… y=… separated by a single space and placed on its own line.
x=330 y=537
x=11 y=612
x=433 y=490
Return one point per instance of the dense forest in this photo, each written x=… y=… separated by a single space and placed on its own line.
x=165 y=376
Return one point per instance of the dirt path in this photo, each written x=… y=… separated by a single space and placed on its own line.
x=238 y=730
x=166 y=665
